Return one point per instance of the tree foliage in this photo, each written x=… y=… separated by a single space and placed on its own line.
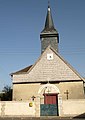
x=6 y=94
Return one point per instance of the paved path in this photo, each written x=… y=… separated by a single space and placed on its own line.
x=41 y=118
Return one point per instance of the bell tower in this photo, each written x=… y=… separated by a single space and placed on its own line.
x=49 y=35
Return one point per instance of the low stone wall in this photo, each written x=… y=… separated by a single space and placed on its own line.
x=32 y=109
x=73 y=107
x=15 y=108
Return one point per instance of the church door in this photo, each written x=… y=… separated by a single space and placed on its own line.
x=50 y=106
x=50 y=98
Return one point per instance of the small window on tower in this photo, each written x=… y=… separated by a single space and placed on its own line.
x=50 y=56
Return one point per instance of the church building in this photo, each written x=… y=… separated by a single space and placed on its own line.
x=51 y=77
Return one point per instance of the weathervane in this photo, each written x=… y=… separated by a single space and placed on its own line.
x=48 y=3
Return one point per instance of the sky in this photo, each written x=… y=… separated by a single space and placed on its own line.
x=21 y=22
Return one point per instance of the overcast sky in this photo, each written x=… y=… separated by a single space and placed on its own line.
x=21 y=22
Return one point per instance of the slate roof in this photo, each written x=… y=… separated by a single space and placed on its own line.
x=22 y=70
x=49 y=25
x=84 y=79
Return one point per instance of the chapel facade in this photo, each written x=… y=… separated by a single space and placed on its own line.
x=51 y=77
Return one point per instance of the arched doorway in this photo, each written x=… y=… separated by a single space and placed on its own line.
x=49 y=100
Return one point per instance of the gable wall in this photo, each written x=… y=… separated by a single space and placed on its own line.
x=54 y=69
x=45 y=70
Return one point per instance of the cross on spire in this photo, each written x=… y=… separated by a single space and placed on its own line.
x=48 y=3
x=49 y=25
x=67 y=93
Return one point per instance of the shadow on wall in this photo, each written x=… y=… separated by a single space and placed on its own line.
x=80 y=116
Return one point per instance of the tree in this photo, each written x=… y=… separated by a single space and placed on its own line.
x=7 y=94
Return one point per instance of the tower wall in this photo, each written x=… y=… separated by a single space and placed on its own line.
x=52 y=41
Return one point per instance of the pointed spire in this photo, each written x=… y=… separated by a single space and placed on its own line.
x=49 y=25
x=49 y=35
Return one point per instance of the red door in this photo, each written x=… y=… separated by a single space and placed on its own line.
x=50 y=98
